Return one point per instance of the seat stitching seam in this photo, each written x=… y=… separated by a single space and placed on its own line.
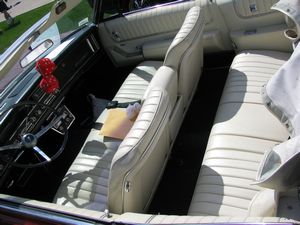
x=224 y=195
x=220 y=204
x=227 y=185
x=224 y=175
x=235 y=159
x=234 y=149
x=230 y=167
x=250 y=136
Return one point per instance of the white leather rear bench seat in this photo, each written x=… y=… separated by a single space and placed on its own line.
x=243 y=130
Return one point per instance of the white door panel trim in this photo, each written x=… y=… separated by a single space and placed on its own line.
x=253 y=8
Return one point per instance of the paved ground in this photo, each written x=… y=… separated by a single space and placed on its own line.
x=22 y=6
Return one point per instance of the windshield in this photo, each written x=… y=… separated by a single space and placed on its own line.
x=20 y=19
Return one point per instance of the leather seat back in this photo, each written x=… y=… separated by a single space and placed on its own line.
x=185 y=53
x=138 y=164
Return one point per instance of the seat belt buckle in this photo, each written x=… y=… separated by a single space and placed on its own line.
x=112 y=105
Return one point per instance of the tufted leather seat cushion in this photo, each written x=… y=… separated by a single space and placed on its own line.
x=243 y=130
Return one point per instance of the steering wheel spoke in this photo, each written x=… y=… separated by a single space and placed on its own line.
x=41 y=153
x=11 y=146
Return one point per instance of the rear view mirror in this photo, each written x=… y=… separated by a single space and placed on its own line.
x=61 y=6
x=36 y=52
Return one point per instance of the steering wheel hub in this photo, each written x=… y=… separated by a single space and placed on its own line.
x=29 y=140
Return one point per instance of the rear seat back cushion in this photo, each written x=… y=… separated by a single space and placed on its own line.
x=138 y=164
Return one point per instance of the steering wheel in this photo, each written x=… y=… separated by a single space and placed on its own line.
x=29 y=141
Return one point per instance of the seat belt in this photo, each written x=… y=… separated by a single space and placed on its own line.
x=116 y=104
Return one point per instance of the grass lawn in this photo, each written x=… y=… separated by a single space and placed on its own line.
x=70 y=21
x=66 y=24
x=9 y=35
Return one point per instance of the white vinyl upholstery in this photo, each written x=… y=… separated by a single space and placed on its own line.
x=85 y=185
x=135 y=85
x=93 y=178
x=138 y=164
x=129 y=27
x=110 y=173
x=185 y=53
x=96 y=179
x=243 y=130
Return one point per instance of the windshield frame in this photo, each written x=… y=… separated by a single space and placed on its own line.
x=24 y=37
x=30 y=35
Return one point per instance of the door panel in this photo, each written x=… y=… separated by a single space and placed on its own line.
x=216 y=34
x=124 y=38
x=253 y=25
x=246 y=8
x=147 y=33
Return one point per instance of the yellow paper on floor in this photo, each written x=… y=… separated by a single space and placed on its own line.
x=117 y=124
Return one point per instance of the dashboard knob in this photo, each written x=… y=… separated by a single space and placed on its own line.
x=33 y=119
x=38 y=112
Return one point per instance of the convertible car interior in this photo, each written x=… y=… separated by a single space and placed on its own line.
x=180 y=112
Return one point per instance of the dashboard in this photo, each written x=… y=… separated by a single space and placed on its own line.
x=73 y=60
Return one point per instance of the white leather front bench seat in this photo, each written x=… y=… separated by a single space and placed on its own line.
x=122 y=175
x=243 y=130
x=109 y=173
